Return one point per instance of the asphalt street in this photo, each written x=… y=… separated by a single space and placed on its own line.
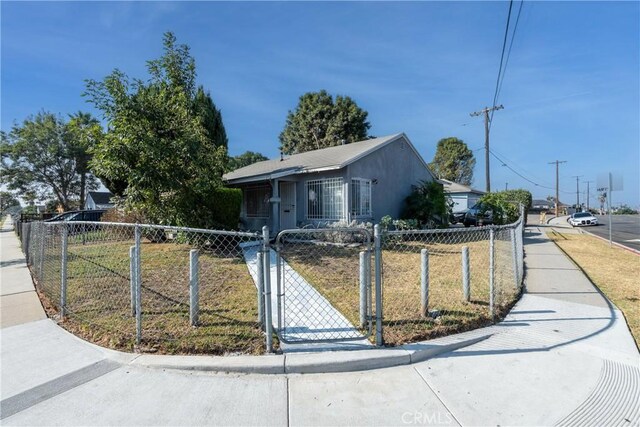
x=625 y=229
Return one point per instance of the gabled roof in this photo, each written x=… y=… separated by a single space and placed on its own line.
x=101 y=197
x=331 y=158
x=454 y=187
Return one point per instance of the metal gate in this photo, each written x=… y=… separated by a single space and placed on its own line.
x=323 y=285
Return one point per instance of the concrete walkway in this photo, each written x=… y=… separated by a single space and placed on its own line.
x=563 y=356
x=19 y=301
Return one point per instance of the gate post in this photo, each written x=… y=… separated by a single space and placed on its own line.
x=466 y=276
x=279 y=285
x=260 y=277
x=424 y=282
x=378 y=279
x=363 y=288
x=266 y=254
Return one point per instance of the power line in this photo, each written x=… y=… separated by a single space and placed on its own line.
x=513 y=36
x=504 y=46
x=519 y=167
x=518 y=173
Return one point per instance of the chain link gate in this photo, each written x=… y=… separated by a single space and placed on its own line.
x=323 y=285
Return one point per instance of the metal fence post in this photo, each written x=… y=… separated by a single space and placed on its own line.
x=514 y=255
x=193 y=287
x=43 y=235
x=138 y=237
x=260 y=274
x=466 y=274
x=378 y=279
x=363 y=289
x=266 y=253
x=25 y=240
x=424 y=282
x=132 y=278
x=280 y=282
x=63 y=273
x=491 y=272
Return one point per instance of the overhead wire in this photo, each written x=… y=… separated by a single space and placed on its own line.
x=504 y=47
x=513 y=36
x=505 y=164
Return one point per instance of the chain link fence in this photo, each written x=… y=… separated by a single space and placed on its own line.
x=167 y=289
x=438 y=282
x=181 y=290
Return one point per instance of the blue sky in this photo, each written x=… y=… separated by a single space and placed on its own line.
x=571 y=89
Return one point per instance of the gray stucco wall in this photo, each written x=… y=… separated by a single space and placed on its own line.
x=396 y=168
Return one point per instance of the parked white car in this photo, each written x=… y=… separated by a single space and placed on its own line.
x=582 y=219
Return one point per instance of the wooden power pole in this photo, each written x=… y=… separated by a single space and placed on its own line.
x=485 y=111
x=557 y=163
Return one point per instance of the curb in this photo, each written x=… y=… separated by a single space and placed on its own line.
x=314 y=363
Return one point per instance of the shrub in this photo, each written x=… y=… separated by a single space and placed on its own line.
x=222 y=210
x=428 y=204
x=506 y=205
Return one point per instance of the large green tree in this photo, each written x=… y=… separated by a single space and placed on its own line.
x=319 y=121
x=245 y=159
x=165 y=147
x=453 y=161
x=7 y=200
x=46 y=157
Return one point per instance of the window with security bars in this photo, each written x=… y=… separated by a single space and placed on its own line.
x=256 y=201
x=325 y=199
x=360 y=197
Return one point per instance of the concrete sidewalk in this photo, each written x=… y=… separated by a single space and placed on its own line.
x=19 y=302
x=563 y=356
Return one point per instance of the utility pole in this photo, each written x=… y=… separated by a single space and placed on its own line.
x=577 y=177
x=506 y=186
x=557 y=163
x=485 y=111
x=588 y=182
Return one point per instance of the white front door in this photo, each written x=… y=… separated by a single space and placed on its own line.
x=287 y=205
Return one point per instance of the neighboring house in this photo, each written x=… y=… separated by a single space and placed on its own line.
x=361 y=181
x=98 y=200
x=462 y=196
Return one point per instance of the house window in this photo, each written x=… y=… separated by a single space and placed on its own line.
x=361 y=197
x=256 y=201
x=325 y=198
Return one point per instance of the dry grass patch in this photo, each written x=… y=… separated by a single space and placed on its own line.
x=614 y=270
x=333 y=270
x=99 y=299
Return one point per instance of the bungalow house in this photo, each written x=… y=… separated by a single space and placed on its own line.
x=98 y=200
x=462 y=196
x=362 y=181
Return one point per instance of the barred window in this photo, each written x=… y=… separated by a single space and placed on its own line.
x=256 y=201
x=325 y=198
x=361 y=197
